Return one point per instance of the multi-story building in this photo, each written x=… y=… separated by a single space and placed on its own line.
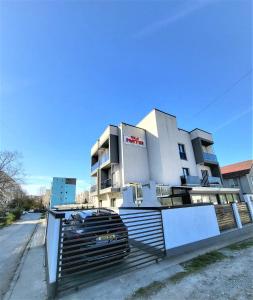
x=63 y=191
x=182 y=164
x=239 y=175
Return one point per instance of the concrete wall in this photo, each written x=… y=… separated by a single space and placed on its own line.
x=52 y=240
x=134 y=158
x=189 y=224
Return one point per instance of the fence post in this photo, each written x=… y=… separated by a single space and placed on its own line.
x=237 y=215
x=250 y=208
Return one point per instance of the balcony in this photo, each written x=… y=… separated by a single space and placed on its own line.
x=210 y=158
x=106 y=184
x=104 y=158
x=190 y=180
x=93 y=188
x=163 y=190
x=214 y=181
x=94 y=167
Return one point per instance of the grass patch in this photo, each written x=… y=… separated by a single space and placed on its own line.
x=241 y=245
x=202 y=261
x=148 y=290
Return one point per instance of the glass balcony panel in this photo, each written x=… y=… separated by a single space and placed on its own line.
x=210 y=157
x=190 y=180
x=93 y=188
x=104 y=158
x=95 y=166
x=214 y=180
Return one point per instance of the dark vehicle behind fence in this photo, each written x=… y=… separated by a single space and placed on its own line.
x=92 y=237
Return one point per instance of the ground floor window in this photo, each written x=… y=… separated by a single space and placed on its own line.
x=113 y=202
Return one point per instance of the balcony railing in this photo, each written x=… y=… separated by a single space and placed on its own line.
x=214 y=180
x=95 y=166
x=210 y=157
x=190 y=180
x=163 y=190
x=93 y=188
x=106 y=183
x=104 y=158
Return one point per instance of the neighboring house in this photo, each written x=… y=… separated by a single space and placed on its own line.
x=179 y=166
x=239 y=175
x=63 y=191
x=83 y=197
x=46 y=198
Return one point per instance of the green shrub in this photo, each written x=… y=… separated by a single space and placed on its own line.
x=10 y=217
x=17 y=213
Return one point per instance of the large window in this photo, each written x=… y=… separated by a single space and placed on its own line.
x=182 y=152
x=186 y=172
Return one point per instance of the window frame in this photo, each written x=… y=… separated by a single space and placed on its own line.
x=187 y=171
x=182 y=153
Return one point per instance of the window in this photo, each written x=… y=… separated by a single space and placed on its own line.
x=186 y=172
x=236 y=198
x=182 y=151
x=100 y=203
x=113 y=202
x=223 y=199
x=229 y=198
x=196 y=199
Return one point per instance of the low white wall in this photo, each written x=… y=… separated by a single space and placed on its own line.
x=189 y=224
x=52 y=239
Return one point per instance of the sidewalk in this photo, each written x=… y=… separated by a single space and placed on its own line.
x=30 y=281
x=14 y=240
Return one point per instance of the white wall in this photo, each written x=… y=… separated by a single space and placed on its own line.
x=163 y=137
x=189 y=224
x=52 y=240
x=134 y=159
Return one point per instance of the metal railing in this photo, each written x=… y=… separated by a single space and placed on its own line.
x=106 y=183
x=108 y=244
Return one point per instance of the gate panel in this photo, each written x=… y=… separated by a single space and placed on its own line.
x=244 y=213
x=225 y=217
x=109 y=245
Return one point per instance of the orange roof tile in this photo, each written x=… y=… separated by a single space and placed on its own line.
x=237 y=167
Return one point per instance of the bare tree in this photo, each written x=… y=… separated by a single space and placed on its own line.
x=10 y=176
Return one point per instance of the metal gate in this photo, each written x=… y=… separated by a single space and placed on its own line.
x=244 y=213
x=225 y=216
x=110 y=245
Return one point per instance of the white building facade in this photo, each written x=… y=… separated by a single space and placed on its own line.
x=176 y=166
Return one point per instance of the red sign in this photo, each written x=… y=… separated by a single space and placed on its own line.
x=134 y=141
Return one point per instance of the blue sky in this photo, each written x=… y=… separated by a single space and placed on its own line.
x=69 y=68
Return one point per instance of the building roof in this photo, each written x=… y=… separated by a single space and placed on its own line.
x=240 y=168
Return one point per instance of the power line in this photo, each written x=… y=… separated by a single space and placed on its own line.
x=216 y=99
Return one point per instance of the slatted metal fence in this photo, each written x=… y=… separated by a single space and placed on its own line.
x=106 y=245
x=225 y=217
x=244 y=213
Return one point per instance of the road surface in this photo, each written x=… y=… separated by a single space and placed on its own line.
x=13 y=240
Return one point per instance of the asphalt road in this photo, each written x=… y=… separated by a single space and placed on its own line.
x=13 y=240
